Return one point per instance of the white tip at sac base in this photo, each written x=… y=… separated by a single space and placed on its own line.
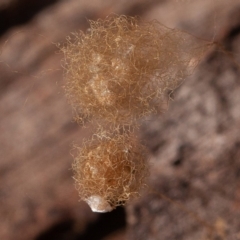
x=98 y=204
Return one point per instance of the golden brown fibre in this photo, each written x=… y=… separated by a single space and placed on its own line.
x=122 y=68
x=110 y=170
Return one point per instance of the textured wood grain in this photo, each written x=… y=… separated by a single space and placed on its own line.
x=195 y=145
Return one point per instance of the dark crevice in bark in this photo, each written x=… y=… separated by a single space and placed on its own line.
x=20 y=12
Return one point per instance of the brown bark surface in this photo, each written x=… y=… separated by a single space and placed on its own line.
x=194 y=188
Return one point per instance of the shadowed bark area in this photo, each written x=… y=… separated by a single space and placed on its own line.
x=15 y=12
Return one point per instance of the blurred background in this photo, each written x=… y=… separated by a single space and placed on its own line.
x=194 y=147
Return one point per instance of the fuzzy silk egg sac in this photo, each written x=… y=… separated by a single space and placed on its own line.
x=109 y=171
x=123 y=68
